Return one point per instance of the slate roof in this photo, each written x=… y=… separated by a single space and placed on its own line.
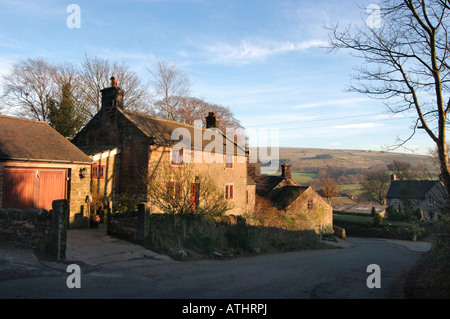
x=413 y=189
x=161 y=131
x=266 y=183
x=22 y=139
x=287 y=195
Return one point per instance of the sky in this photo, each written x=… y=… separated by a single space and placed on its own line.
x=266 y=60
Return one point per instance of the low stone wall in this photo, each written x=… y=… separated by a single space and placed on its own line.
x=30 y=227
x=123 y=225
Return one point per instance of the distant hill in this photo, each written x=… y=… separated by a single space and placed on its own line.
x=312 y=159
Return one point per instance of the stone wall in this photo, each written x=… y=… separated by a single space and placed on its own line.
x=30 y=227
x=123 y=225
x=133 y=226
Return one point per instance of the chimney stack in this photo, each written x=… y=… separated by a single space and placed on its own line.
x=393 y=177
x=286 y=171
x=211 y=120
x=112 y=96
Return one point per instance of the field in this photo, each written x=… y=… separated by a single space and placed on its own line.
x=352 y=165
x=311 y=159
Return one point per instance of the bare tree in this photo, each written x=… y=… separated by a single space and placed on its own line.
x=406 y=171
x=376 y=185
x=328 y=183
x=406 y=63
x=171 y=86
x=184 y=190
x=29 y=88
x=95 y=74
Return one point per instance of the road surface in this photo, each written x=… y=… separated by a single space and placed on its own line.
x=327 y=274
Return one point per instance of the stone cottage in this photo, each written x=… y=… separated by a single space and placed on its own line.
x=125 y=146
x=38 y=165
x=426 y=195
x=296 y=200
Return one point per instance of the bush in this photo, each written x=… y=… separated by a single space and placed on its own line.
x=393 y=214
x=374 y=211
x=327 y=232
x=418 y=213
x=377 y=219
x=128 y=202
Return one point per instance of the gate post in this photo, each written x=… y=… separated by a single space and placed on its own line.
x=143 y=222
x=58 y=228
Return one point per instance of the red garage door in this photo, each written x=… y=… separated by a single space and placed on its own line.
x=33 y=188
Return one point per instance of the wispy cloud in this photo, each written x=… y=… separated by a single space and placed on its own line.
x=357 y=126
x=247 y=51
x=331 y=102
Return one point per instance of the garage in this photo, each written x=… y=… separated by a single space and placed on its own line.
x=33 y=188
x=38 y=165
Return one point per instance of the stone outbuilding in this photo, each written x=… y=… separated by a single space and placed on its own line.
x=296 y=200
x=38 y=165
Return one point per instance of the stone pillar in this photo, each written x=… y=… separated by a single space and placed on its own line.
x=143 y=222
x=58 y=229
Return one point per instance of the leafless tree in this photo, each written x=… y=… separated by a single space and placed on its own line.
x=184 y=190
x=406 y=171
x=95 y=74
x=376 y=185
x=406 y=63
x=29 y=88
x=171 y=86
x=328 y=184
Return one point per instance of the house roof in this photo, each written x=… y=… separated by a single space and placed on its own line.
x=266 y=183
x=287 y=195
x=23 y=139
x=161 y=131
x=360 y=209
x=413 y=189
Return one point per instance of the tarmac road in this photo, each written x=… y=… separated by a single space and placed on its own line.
x=326 y=274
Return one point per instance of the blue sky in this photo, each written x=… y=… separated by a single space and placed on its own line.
x=264 y=59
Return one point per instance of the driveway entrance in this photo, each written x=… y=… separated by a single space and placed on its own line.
x=92 y=246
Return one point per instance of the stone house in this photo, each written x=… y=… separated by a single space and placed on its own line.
x=296 y=200
x=126 y=146
x=426 y=195
x=38 y=165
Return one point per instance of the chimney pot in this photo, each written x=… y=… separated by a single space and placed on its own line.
x=113 y=82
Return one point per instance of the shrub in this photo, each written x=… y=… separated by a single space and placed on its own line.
x=418 y=213
x=327 y=232
x=374 y=211
x=377 y=219
x=393 y=214
x=128 y=202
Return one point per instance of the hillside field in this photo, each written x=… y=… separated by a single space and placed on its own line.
x=312 y=159
x=351 y=164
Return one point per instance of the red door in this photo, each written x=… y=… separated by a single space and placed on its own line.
x=33 y=188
